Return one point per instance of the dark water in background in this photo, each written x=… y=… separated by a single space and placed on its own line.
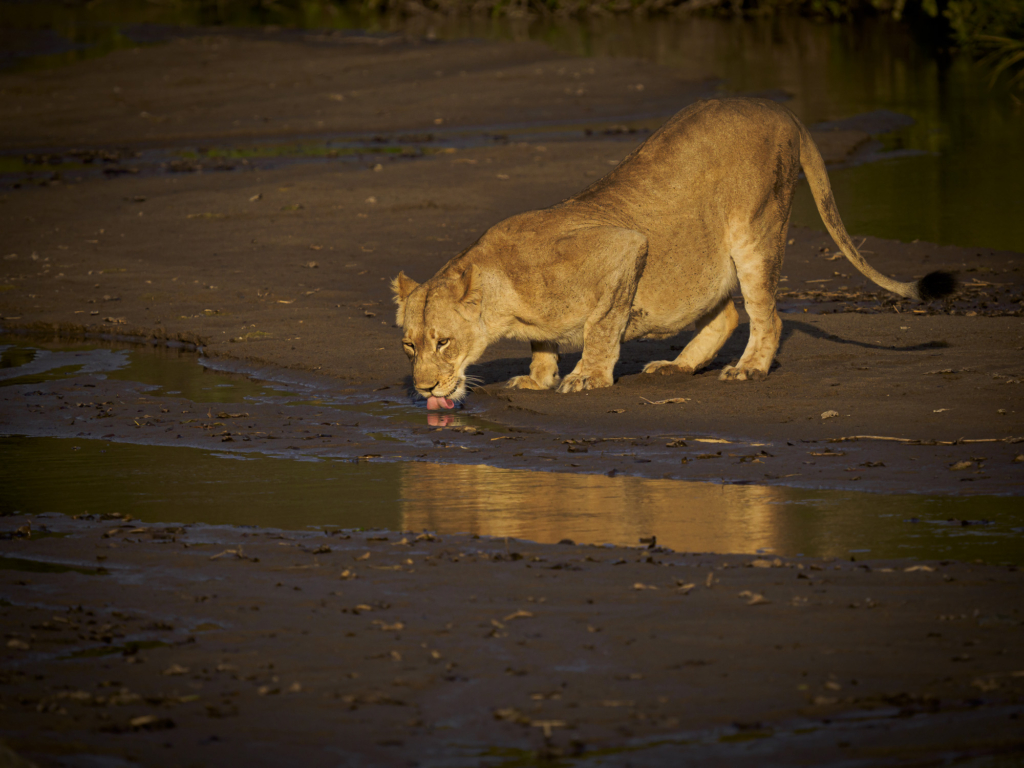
x=959 y=181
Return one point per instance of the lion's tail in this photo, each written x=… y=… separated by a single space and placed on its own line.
x=934 y=285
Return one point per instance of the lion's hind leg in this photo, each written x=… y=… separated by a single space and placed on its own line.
x=543 y=368
x=759 y=279
x=711 y=333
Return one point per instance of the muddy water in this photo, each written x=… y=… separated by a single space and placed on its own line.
x=165 y=371
x=185 y=485
x=159 y=483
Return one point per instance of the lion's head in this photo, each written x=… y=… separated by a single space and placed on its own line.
x=443 y=330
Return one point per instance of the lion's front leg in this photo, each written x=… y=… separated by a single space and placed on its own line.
x=618 y=262
x=543 y=368
x=602 y=336
x=578 y=380
x=595 y=367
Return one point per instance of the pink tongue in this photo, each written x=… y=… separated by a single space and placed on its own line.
x=435 y=403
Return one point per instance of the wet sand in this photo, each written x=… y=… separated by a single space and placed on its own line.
x=259 y=647
x=516 y=433
x=287 y=270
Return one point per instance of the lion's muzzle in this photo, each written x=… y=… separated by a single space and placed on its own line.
x=431 y=379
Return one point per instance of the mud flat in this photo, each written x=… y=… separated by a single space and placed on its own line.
x=289 y=267
x=471 y=651
x=268 y=647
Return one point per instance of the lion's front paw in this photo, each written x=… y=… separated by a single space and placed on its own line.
x=577 y=382
x=735 y=373
x=666 y=368
x=523 y=382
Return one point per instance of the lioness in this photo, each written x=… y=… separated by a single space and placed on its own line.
x=657 y=244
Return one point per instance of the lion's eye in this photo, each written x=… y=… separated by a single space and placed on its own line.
x=409 y=346
x=442 y=343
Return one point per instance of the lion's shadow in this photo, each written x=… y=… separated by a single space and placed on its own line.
x=636 y=354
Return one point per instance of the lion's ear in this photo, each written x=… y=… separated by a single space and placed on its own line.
x=470 y=289
x=402 y=286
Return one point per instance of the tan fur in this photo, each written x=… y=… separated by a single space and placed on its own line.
x=655 y=245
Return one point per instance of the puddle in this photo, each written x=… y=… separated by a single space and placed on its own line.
x=44 y=166
x=706 y=517
x=737 y=744
x=175 y=372
x=42 y=566
x=314 y=487
x=406 y=413
x=128 y=649
x=169 y=371
x=31 y=365
x=188 y=485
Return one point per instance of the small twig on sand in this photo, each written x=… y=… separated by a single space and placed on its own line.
x=236 y=553
x=959 y=441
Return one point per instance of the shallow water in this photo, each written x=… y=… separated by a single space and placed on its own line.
x=956 y=176
x=17 y=169
x=168 y=371
x=186 y=485
x=179 y=372
x=159 y=483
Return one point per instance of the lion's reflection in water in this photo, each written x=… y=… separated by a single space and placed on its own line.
x=549 y=507
x=441 y=419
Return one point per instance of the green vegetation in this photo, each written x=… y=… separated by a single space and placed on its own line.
x=991 y=30
x=1007 y=55
x=974 y=26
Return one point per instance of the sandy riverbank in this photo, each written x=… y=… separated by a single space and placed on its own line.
x=288 y=269
x=266 y=648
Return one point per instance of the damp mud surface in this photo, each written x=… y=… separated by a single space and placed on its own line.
x=216 y=483
x=183 y=442
x=156 y=396
x=138 y=643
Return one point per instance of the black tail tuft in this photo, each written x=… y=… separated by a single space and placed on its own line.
x=936 y=285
